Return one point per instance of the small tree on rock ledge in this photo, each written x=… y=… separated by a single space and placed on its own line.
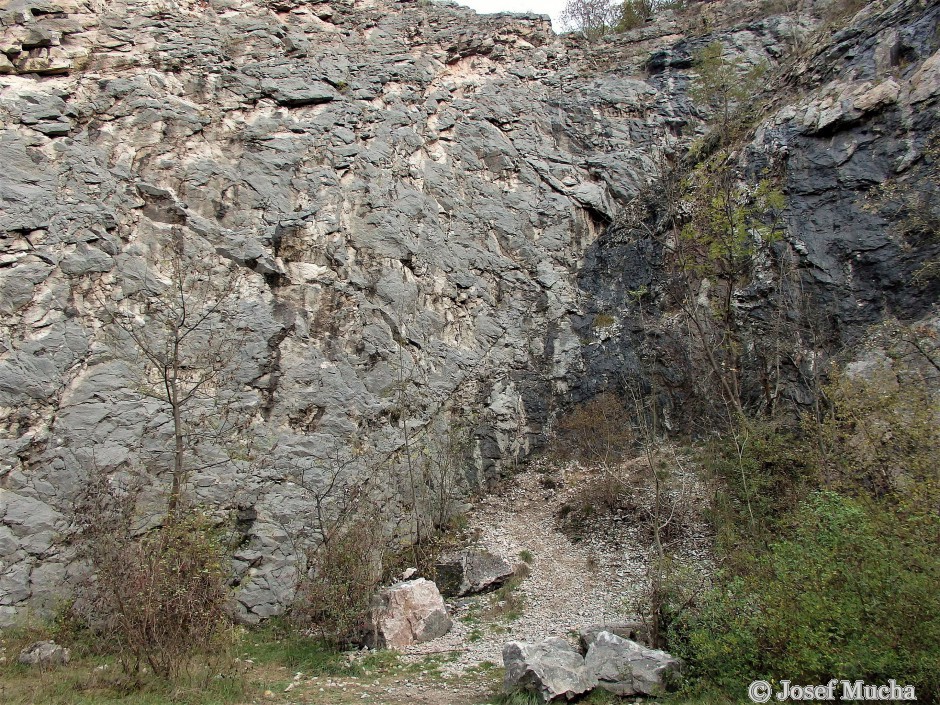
x=593 y=17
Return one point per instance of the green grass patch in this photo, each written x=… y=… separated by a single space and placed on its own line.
x=281 y=645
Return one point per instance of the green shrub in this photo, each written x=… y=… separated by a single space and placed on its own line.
x=828 y=535
x=760 y=468
x=162 y=598
x=633 y=14
x=849 y=593
x=883 y=434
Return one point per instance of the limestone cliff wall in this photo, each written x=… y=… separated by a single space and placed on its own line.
x=416 y=199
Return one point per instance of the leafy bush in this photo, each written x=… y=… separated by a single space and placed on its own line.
x=335 y=597
x=162 y=596
x=829 y=534
x=849 y=593
x=633 y=14
x=883 y=433
x=756 y=470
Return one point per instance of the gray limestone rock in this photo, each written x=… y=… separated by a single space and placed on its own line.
x=471 y=571
x=634 y=631
x=625 y=667
x=44 y=654
x=423 y=205
x=295 y=92
x=552 y=669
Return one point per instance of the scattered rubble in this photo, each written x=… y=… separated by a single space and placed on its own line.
x=45 y=654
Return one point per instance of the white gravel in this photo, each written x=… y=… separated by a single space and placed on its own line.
x=571 y=585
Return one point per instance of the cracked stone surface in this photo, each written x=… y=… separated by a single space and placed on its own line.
x=415 y=199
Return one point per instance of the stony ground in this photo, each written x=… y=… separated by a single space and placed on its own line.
x=566 y=582
x=597 y=578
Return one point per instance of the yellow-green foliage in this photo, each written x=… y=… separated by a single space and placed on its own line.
x=883 y=434
x=729 y=222
x=849 y=591
x=829 y=536
x=726 y=88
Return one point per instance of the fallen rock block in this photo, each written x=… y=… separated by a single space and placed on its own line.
x=409 y=612
x=624 y=667
x=634 y=631
x=470 y=572
x=552 y=668
x=46 y=654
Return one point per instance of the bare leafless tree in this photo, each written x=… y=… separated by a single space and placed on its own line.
x=592 y=17
x=181 y=332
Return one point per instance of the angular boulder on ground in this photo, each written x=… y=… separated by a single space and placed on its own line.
x=552 y=668
x=409 y=612
x=635 y=631
x=46 y=654
x=471 y=571
x=625 y=667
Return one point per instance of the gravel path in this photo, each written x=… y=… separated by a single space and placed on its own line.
x=570 y=586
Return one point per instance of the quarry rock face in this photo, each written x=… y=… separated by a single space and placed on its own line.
x=414 y=202
x=849 y=137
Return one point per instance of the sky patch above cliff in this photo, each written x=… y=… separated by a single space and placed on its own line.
x=542 y=7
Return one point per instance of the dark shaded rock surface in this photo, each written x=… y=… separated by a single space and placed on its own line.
x=851 y=137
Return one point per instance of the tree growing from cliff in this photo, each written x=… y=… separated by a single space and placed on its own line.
x=180 y=331
x=592 y=17
x=715 y=251
x=726 y=88
x=633 y=13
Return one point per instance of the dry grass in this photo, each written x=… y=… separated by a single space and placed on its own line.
x=267 y=672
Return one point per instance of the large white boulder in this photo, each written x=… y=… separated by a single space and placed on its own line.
x=409 y=612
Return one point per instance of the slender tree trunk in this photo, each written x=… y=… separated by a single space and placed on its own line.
x=178 y=450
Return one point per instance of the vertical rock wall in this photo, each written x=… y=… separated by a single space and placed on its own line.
x=406 y=191
x=413 y=197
